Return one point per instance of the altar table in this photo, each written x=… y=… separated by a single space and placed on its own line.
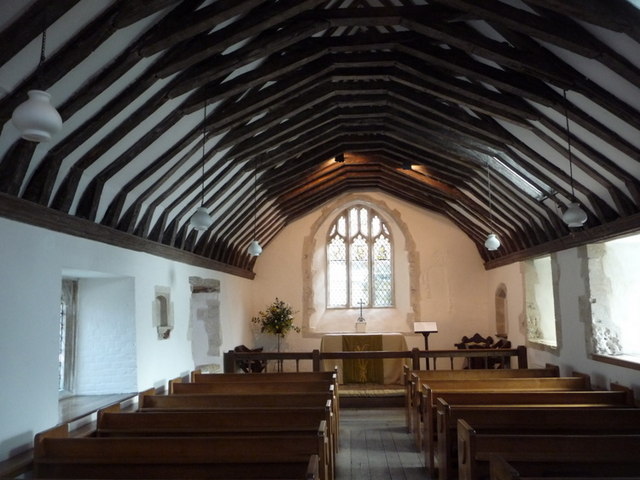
x=387 y=371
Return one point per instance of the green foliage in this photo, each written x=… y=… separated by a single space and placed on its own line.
x=277 y=319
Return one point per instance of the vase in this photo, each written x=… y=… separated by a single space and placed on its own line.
x=279 y=361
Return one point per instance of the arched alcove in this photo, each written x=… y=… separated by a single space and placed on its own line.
x=501 y=311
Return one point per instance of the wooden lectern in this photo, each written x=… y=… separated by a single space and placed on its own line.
x=425 y=328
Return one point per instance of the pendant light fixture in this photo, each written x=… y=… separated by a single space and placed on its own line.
x=201 y=220
x=573 y=216
x=36 y=119
x=255 y=248
x=492 y=242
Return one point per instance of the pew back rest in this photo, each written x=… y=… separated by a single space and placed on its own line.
x=215 y=401
x=599 y=420
x=197 y=377
x=541 y=383
x=203 y=422
x=476 y=447
x=249 y=388
x=104 y=457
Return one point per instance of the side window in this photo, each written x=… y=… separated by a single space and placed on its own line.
x=67 y=337
x=614 y=282
x=359 y=260
x=540 y=277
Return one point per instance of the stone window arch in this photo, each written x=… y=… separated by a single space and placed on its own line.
x=317 y=319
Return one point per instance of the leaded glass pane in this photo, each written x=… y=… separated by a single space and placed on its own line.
x=364 y=222
x=359 y=263
x=353 y=222
x=382 y=284
x=342 y=226
x=375 y=226
x=337 y=273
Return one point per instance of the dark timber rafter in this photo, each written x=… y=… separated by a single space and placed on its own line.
x=446 y=85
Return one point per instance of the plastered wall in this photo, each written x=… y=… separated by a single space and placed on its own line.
x=32 y=263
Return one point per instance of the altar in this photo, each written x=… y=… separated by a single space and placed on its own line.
x=385 y=371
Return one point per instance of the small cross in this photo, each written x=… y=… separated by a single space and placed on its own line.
x=360 y=318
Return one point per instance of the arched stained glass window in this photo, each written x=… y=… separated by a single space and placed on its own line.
x=359 y=265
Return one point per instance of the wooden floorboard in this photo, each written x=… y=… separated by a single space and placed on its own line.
x=375 y=445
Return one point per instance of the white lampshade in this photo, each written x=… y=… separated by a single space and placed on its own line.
x=492 y=242
x=574 y=216
x=201 y=220
x=36 y=118
x=254 y=248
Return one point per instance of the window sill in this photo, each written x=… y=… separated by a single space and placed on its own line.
x=544 y=345
x=626 y=361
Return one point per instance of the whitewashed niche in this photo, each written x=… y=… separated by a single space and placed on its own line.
x=163 y=312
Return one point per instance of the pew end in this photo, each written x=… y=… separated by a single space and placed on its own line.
x=500 y=469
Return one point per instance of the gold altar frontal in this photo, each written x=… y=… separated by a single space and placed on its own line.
x=386 y=371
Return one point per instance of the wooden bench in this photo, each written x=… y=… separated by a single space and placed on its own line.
x=578 y=453
x=237 y=457
x=498 y=399
x=264 y=388
x=188 y=402
x=330 y=378
x=246 y=421
x=249 y=388
x=216 y=401
x=485 y=384
x=524 y=419
x=197 y=376
x=500 y=469
x=413 y=379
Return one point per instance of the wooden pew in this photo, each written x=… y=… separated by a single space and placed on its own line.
x=249 y=388
x=187 y=402
x=229 y=457
x=197 y=376
x=500 y=469
x=615 y=453
x=413 y=379
x=524 y=419
x=485 y=384
x=264 y=388
x=331 y=378
x=215 y=401
x=249 y=421
x=498 y=399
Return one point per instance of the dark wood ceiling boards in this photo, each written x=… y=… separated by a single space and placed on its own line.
x=453 y=87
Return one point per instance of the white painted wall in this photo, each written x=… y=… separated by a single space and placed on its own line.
x=32 y=262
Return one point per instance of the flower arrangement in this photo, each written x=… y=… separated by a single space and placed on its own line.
x=277 y=319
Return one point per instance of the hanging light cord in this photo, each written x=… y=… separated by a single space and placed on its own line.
x=255 y=198
x=566 y=116
x=490 y=204
x=42 y=49
x=204 y=136
x=39 y=79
